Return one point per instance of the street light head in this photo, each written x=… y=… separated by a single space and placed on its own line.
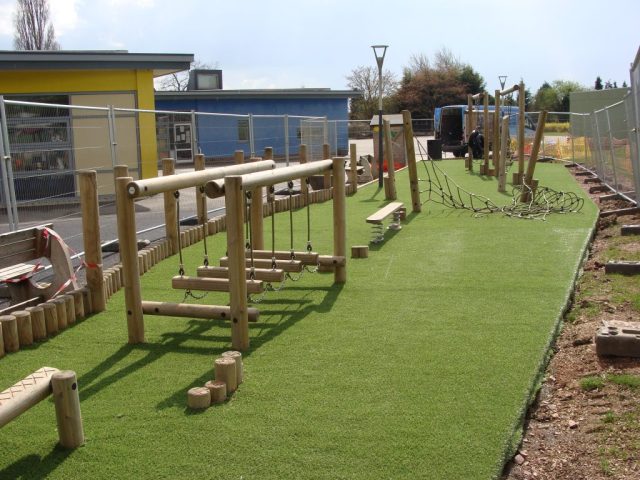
x=503 y=80
x=379 y=51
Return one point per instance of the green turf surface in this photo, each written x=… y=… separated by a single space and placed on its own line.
x=418 y=367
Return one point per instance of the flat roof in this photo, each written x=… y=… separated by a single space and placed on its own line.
x=258 y=93
x=160 y=63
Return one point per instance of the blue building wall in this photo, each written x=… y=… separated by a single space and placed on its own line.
x=218 y=135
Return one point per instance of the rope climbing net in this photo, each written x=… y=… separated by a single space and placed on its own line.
x=440 y=188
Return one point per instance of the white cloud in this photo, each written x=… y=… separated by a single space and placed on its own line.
x=64 y=15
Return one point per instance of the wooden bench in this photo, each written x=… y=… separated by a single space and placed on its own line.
x=377 y=219
x=28 y=245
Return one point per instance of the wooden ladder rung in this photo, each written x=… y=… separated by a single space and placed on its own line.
x=291 y=266
x=264 y=274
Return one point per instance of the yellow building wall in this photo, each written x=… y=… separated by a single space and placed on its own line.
x=96 y=82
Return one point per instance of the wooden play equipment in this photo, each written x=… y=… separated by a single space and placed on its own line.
x=127 y=190
x=395 y=209
x=528 y=183
x=198 y=398
x=235 y=187
x=360 y=251
x=29 y=245
x=390 y=177
x=416 y=204
x=498 y=134
x=36 y=387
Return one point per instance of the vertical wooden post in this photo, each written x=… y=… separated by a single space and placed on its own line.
x=485 y=154
x=304 y=186
x=496 y=134
x=201 y=198
x=50 y=317
x=353 y=156
x=64 y=386
x=88 y=183
x=9 y=327
x=411 y=161
x=25 y=328
x=268 y=153
x=326 y=155
x=502 y=175
x=234 y=201
x=521 y=118
x=170 y=209
x=38 y=322
x=388 y=153
x=238 y=157
x=531 y=166
x=257 y=219
x=120 y=171
x=129 y=259
x=470 y=126
x=339 y=220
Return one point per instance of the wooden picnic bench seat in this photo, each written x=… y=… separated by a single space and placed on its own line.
x=29 y=245
x=394 y=208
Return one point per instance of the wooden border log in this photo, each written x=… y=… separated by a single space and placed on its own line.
x=70 y=307
x=64 y=386
x=263 y=274
x=205 y=312
x=225 y=371
x=237 y=357
x=50 y=317
x=25 y=330
x=212 y=284
x=10 y=333
x=218 y=391
x=24 y=394
x=2 y=352
x=38 y=323
x=61 y=311
x=87 y=300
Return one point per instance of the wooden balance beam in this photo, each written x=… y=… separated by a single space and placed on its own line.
x=212 y=284
x=264 y=274
x=291 y=266
x=307 y=258
x=31 y=390
x=206 y=312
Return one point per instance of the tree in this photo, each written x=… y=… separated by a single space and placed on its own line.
x=365 y=79
x=33 y=29
x=546 y=98
x=178 y=81
x=598 y=85
x=445 y=81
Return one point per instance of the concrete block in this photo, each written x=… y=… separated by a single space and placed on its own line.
x=618 y=338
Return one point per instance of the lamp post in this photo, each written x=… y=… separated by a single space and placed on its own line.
x=379 y=51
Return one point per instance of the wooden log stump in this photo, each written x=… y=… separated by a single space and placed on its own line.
x=10 y=333
x=360 y=251
x=218 y=391
x=198 y=398
x=78 y=303
x=25 y=331
x=70 y=307
x=237 y=357
x=50 y=317
x=87 y=300
x=64 y=386
x=61 y=310
x=38 y=323
x=225 y=371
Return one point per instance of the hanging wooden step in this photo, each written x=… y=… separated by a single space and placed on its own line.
x=264 y=274
x=307 y=258
x=212 y=284
x=292 y=266
x=189 y=310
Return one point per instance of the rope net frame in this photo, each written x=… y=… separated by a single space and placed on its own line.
x=543 y=200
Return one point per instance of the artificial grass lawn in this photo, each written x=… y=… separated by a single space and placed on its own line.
x=418 y=367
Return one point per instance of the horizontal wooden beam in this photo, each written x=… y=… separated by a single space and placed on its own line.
x=332 y=260
x=211 y=284
x=23 y=395
x=207 y=312
x=279 y=175
x=515 y=88
x=169 y=183
x=264 y=274
x=292 y=266
x=307 y=258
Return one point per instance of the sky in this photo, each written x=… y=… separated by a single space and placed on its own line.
x=316 y=44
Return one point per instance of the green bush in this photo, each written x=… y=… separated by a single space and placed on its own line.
x=591 y=383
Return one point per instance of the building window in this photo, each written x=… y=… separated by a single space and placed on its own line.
x=243 y=130
x=208 y=81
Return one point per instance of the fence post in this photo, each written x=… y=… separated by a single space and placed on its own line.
x=252 y=137
x=600 y=160
x=612 y=154
x=7 y=171
x=112 y=136
x=201 y=198
x=91 y=237
x=194 y=135
x=286 y=139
